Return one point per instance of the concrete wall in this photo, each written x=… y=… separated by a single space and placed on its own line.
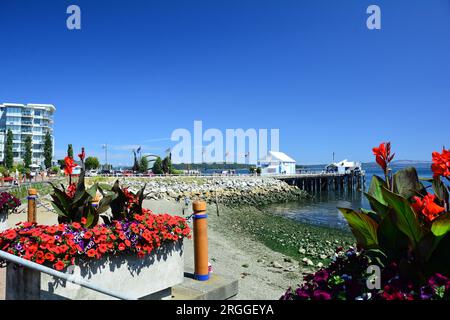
x=147 y=278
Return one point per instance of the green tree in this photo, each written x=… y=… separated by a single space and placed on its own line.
x=143 y=165
x=157 y=166
x=9 y=156
x=167 y=165
x=91 y=163
x=48 y=150
x=70 y=151
x=28 y=155
x=55 y=170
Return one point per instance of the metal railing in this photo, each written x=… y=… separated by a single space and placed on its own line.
x=68 y=277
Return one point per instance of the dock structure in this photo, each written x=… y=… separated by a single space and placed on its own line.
x=325 y=181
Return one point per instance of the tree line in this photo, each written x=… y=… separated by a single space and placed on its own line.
x=28 y=153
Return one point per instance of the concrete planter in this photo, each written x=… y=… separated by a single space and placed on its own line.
x=149 y=278
x=3 y=220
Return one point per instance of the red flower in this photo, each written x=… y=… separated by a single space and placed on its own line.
x=91 y=253
x=71 y=189
x=441 y=163
x=69 y=164
x=83 y=221
x=103 y=248
x=82 y=154
x=427 y=206
x=383 y=155
x=10 y=234
x=59 y=265
x=49 y=256
x=121 y=246
x=76 y=225
x=88 y=235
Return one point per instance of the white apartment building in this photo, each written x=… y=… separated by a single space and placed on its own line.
x=33 y=120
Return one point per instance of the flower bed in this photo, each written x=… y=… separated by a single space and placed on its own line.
x=59 y=245
x=405 y=235
x=345 y=279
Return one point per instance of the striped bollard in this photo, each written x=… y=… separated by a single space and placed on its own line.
x=200 y=241
x=32 y=194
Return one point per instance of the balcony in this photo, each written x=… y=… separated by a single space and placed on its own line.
x=27 y=114
x=27 y=123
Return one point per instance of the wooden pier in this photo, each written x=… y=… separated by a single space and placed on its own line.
x=319 y=182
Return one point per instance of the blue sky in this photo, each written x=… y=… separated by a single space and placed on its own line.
x=137 y=70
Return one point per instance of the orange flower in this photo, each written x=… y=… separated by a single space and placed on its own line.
x=428 y=207
x=383 y=155
x=69 y=164
x=441 y=163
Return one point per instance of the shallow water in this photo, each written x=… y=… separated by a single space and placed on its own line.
x=322 y=209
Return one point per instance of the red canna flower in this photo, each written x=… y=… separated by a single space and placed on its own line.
x=71 y=189
x=59 y=265
x=441 y=163
x=69 y=164
x=383 y=155
x=82 y=154
x=427 y=206
x=83 y=221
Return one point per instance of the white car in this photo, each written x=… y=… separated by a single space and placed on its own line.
x=92 y=173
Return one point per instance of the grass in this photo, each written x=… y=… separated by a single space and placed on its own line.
x=43 y=188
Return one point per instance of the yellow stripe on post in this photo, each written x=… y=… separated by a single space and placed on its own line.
x=32 y=194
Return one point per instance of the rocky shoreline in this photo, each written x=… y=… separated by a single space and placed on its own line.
x=228 y=191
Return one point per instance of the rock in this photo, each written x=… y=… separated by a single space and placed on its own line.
x=308 y=262
x=276 y=265
x=302 y=251
x=288 y=260
x=323 y=256
x=320 y=265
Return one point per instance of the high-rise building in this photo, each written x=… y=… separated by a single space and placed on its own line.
x=33 y=120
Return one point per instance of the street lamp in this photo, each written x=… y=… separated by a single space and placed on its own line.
x=105 y=146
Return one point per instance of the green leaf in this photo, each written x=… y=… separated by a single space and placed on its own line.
x=405 y=218
x=390 y=239
x=407 y=184
x=375 y=189
x=363 y=228
x=380 y=209
x=440 y=190
x=59 y=210
x=81 y=188
x=92 y=191
x=377 y=257
x=103 y=205
x=90 y=217
x=441 y=225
